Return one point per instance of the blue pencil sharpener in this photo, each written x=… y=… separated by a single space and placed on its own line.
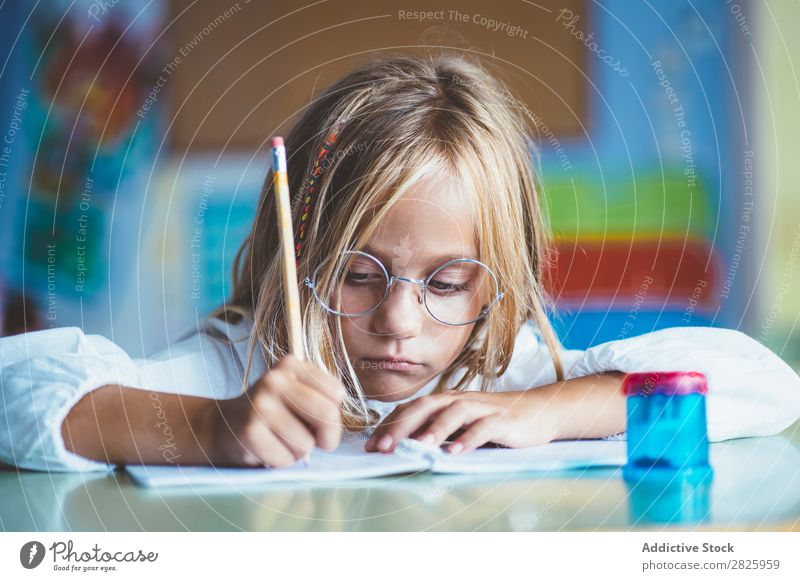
x=667 y=472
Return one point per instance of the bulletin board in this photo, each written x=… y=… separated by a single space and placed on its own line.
x=248 y=71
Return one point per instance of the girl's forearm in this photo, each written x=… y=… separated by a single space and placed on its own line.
x=122 y=425
x=586 y=407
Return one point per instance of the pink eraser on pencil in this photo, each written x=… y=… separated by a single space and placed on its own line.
x=276 y=142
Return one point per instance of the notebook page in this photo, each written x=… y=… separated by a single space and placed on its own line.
x=563 y=455
x=348 y=461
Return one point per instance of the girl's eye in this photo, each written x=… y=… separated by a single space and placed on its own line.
x=445 y=287
x=363 y=277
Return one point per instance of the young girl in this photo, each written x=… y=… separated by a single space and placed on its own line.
x=421 y=248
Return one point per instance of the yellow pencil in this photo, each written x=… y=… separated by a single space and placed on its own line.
x=289 y=267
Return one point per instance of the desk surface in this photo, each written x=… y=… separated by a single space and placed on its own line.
x=756 y=485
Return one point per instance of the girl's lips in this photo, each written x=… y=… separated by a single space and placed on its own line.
x=392 y=364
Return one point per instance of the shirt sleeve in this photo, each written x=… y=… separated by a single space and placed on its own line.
x=42 y=376
x=207 y=360
x=751 y=391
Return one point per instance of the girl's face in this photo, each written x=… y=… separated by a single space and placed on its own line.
x=430 y=225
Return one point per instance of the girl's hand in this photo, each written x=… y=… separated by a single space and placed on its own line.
x=513 y=419
x=292 y=408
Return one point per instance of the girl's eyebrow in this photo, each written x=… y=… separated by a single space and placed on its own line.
x=433 y=261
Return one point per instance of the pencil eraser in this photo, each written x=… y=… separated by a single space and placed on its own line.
x=276 y=142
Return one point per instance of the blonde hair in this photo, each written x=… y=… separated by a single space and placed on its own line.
x=399 y=121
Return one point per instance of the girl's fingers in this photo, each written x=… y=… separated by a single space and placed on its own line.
x=293 y=433
x=450 y=419
x=479 y=433
x=290 y=371
x=322 y=380
x=320 y=413
x=402 y=422
x=262 y=447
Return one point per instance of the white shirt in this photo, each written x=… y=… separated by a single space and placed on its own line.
x=751 y=391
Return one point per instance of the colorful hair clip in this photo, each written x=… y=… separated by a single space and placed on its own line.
x=323 y=159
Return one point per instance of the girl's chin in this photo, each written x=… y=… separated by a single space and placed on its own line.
x=387 y=390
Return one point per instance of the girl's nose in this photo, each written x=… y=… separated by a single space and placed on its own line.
x=401 y=313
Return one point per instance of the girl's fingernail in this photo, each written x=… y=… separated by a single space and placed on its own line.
x=456 y=448
x=427 y=439
x=385 y=442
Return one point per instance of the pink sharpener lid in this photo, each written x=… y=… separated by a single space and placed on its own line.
x=664 y=382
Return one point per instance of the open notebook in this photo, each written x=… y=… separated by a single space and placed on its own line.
x=350 y=461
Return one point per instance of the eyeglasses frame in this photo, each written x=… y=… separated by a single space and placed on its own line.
x=311 y=283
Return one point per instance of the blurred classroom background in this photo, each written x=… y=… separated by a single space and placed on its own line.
x=134 y=147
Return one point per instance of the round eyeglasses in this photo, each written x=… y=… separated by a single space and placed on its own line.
x=459 y=292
